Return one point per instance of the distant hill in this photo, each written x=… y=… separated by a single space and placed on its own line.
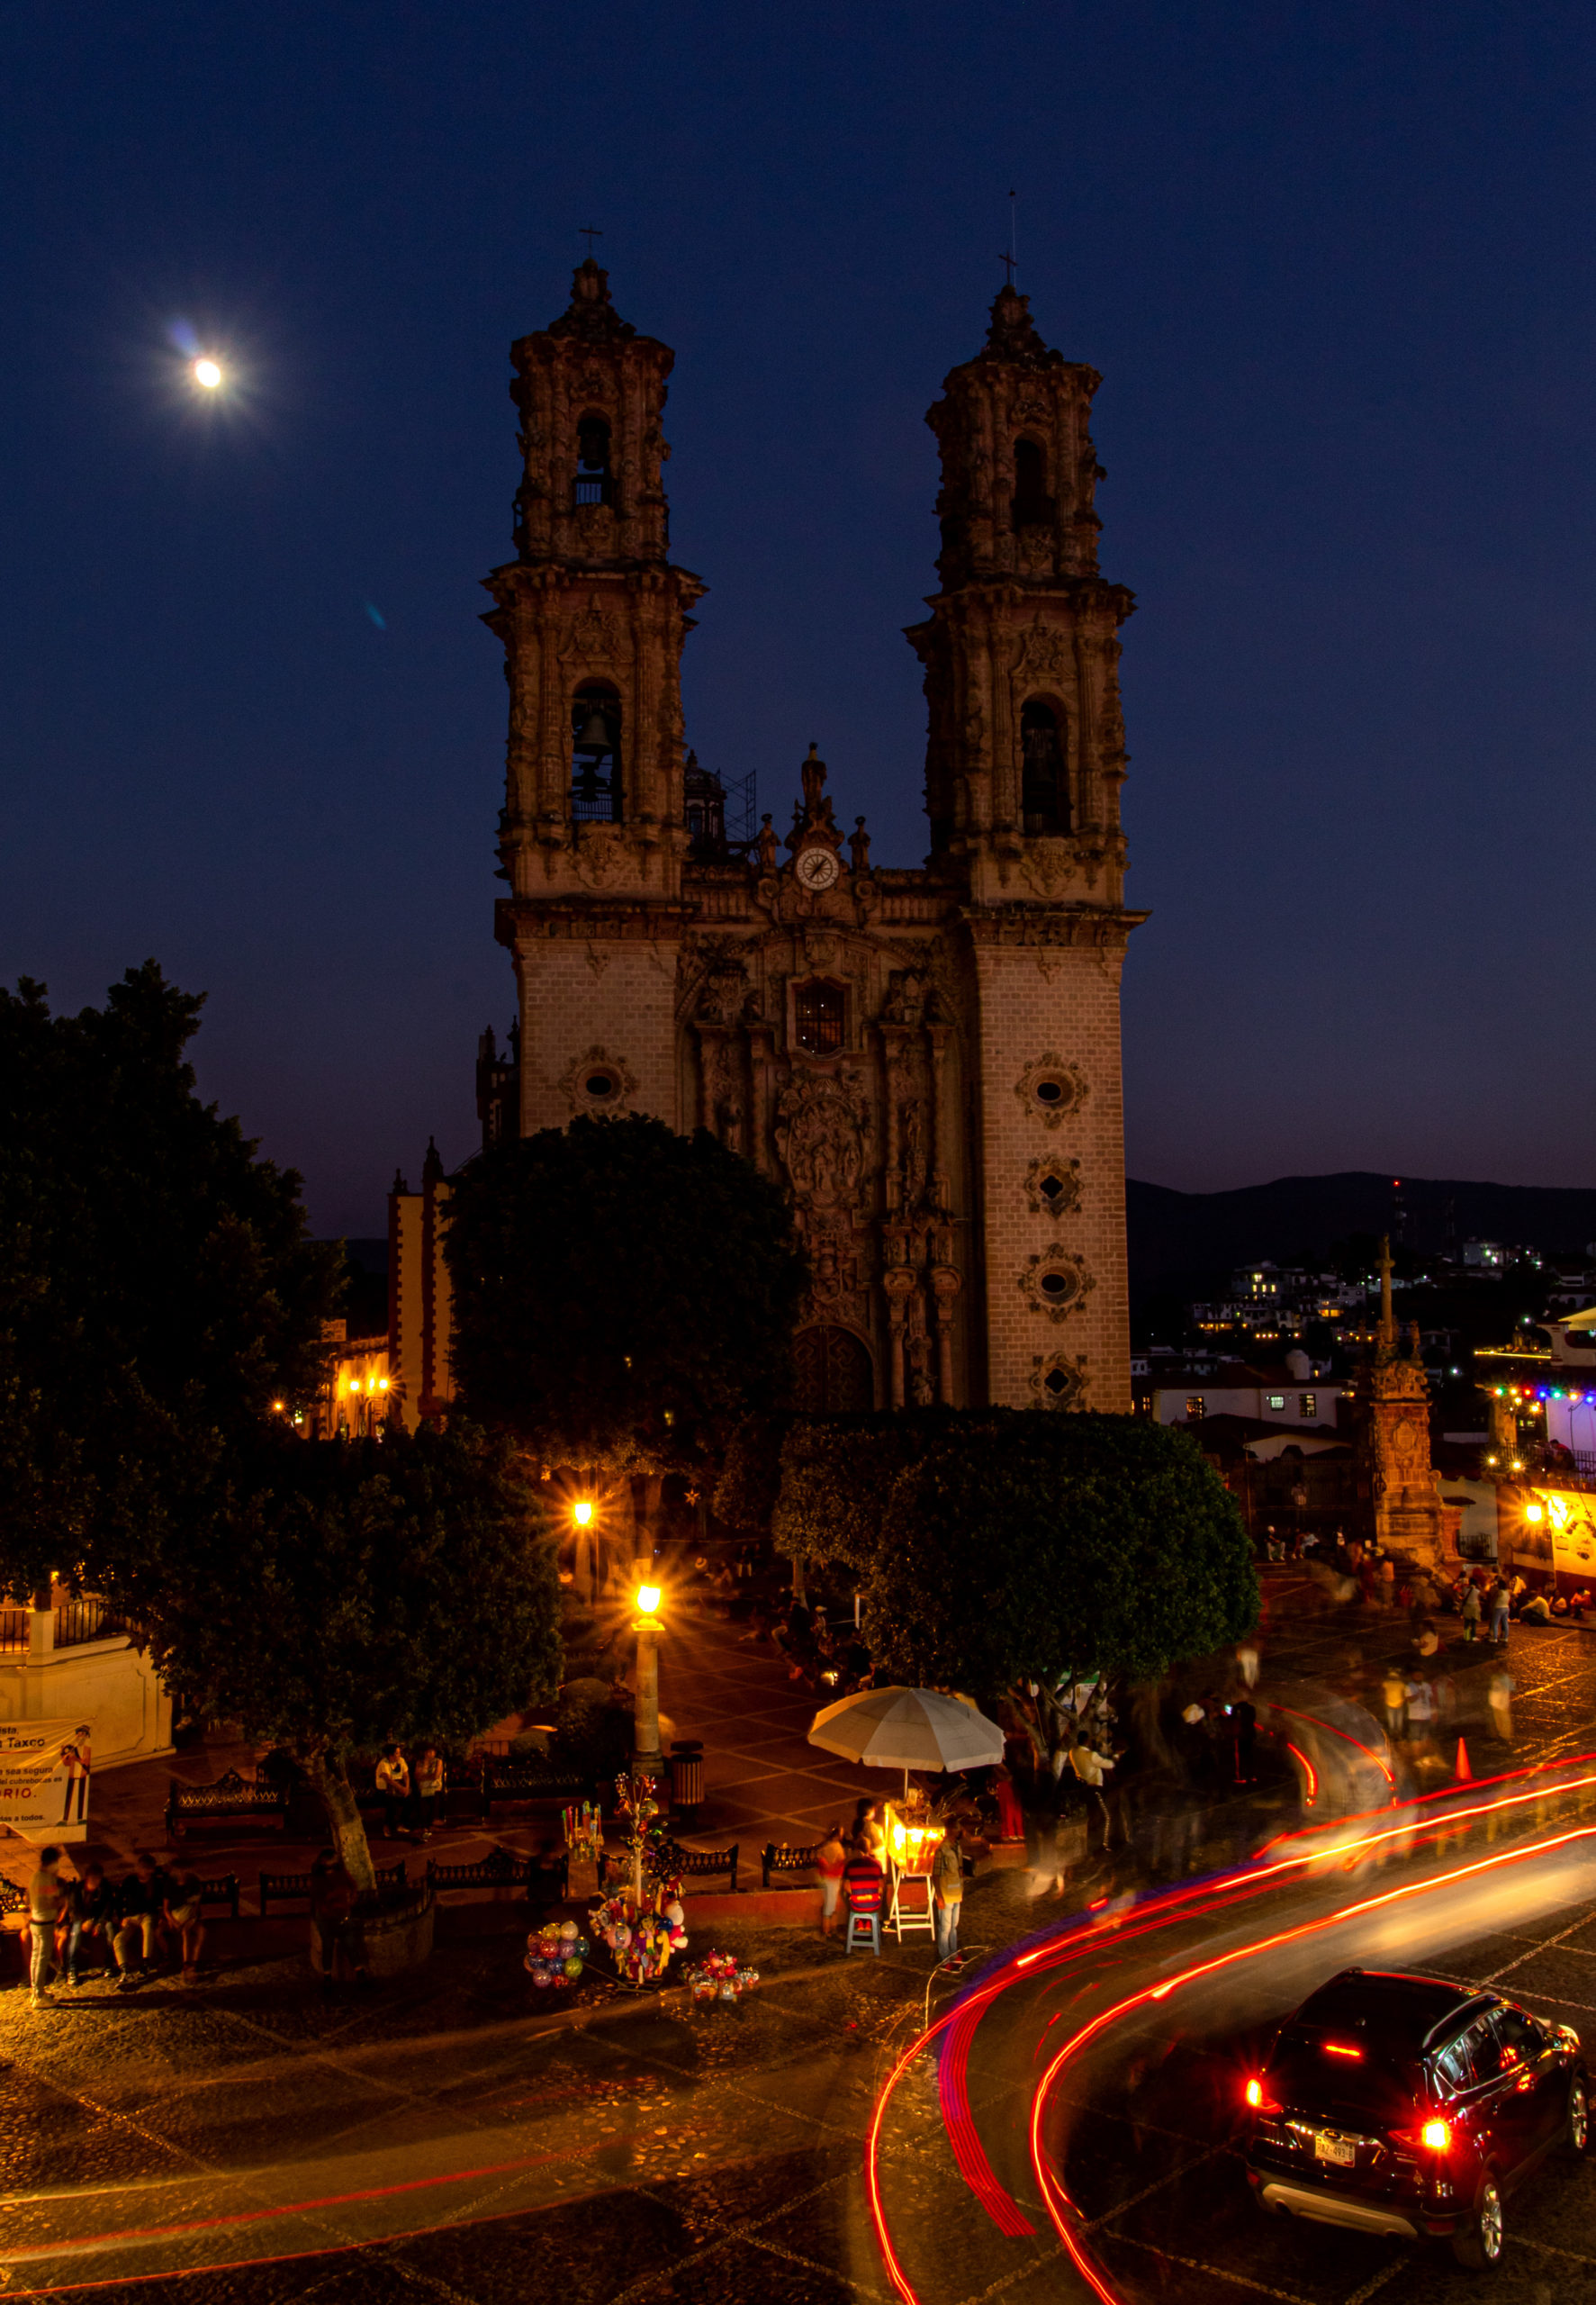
x=1184 y=1243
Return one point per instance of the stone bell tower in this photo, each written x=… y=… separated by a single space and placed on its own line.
x=592 y=614
x=1024 y=759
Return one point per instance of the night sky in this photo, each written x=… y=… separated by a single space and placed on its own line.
x=1336 y=266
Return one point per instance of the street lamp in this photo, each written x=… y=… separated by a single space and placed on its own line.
x=648 y=1760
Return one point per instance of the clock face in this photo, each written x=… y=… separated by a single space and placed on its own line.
x=816 y=868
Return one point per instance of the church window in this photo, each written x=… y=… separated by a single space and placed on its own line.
x=1058 y=1288
x=1044 y=800
x=1196 y=1408
x=819 y=1016
x=1033 y=506
x=601 y=1087
x=595 y=756
x=594 y=482
x=1053 y=1187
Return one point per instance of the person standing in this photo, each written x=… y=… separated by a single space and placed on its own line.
x=1471 y=1612
x=1501 y=1601
x=430 y=1786
x=46 y=1896
x=394 y=1789
x=947 y=1882
x=830 y=1857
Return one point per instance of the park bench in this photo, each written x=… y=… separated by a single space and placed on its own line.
x=527 y=1776
x=290 y=1888
x=501 y=1869
x=231 y=1797
x=779 y=1856
x=223 y=1891
x=695 y=1864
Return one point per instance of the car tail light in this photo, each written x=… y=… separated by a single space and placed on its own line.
x=1436 y=2137
x=1258 y=2100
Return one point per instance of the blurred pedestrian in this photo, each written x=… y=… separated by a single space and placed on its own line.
x=1500 y=1697
x=1393 y=1692
x=1090 y=1766
x=830 y=1857
x=1501 y=1601
x=45 y=1895
x=1471 y=1612
x=947 y=1881
x=183 y=1912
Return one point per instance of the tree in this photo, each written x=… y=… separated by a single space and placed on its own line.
x=338 y=1594
x=159 y=1288
x=1035 y=1549
x=624 y=1296
x=837 y=1474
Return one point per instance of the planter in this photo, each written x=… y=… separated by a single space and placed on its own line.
x=389 y=1938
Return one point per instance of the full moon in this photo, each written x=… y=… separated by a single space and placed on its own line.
x=207 y=373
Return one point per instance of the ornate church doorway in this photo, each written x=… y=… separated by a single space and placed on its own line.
x=833 y=1371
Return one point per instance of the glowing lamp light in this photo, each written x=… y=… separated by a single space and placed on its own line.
x=582 y=1512
x=277 y=1407
x=1342 y=2049
x=1255 y=2094
x=208 y=373
x=1533 y=1513
x=382 y=1384
x=648 y=1599
x=1435 y=2136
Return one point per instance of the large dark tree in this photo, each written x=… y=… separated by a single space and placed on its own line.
x=336 y=1594
x=159 y=1288
x=624 y=1296
x=1032 y=1549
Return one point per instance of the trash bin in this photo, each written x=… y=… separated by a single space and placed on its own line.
x=687 y=1774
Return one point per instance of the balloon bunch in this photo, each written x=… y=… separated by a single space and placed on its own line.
x=642 y=1937
x=555 y=1953
x=718 y=1977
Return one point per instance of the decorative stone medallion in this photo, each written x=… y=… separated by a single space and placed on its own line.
x=1053 y=1186
x=1057 y=1382
x=1050 y=1087
x=598 y=1083
x=1056 y=1282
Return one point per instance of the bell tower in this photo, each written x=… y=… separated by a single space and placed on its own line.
x=592 y=614
x=1027 y=750
x=1025 y=758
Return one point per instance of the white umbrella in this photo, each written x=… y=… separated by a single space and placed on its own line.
x=907 y=1729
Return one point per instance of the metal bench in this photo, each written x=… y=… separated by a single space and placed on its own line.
x=290 y=1888
x=779 y=1856
x=223 y=1891
x=694 y=1864
x=231 y=1797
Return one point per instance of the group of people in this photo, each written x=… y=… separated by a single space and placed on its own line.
x=833 y=1661
x=410 y=1796
x=853 y=1865
x=77 y=1919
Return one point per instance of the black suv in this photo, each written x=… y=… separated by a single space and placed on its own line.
x=1411 y=2105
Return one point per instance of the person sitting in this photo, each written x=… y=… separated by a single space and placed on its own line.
x=183 y=1914
x=865 y=1883
x=89 y=1920
x=140 y=1900
x=1536 y=1611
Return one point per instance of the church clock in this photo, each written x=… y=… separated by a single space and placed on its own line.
x=817 y=869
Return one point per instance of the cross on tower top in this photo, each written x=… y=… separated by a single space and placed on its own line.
x=591 y=232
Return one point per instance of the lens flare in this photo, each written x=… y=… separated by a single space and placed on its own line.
x=208 y=373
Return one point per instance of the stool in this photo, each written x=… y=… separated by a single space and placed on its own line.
x=868 y=1928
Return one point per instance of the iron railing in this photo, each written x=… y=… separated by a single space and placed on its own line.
x=87 y=1620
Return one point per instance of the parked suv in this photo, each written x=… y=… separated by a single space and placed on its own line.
x=1411 y=2105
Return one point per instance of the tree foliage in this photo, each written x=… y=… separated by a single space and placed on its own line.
x=158 y=1285
x=1033 y=1550
x=837 y=1478
x=337 y=1595
x=624 y=1296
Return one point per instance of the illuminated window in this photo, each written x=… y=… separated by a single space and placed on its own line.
x=1275 y=1400
x=1196 y=1408
x=819 y=1014
x=1308 y=1407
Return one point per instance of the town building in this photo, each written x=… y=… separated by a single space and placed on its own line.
x=926 y=1058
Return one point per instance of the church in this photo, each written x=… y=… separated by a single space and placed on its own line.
x=927 y=1060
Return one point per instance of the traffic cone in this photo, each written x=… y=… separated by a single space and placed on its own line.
x=1464 y=1773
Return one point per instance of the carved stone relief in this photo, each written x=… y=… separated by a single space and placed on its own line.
x=822 y=1122
x=1057 y=1382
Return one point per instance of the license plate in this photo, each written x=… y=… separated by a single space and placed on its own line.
x=1337 y=2149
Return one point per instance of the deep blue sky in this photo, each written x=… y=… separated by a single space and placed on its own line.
x=1335 y=265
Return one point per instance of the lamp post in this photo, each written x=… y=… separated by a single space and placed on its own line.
x=582 y=1564
x=648 y=1760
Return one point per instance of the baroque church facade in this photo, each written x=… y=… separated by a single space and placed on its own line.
x=926 y=1060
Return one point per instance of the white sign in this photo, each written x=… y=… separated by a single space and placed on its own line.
x=44 y=1779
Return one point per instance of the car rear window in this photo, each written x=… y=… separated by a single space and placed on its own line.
x=1314 y=2071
